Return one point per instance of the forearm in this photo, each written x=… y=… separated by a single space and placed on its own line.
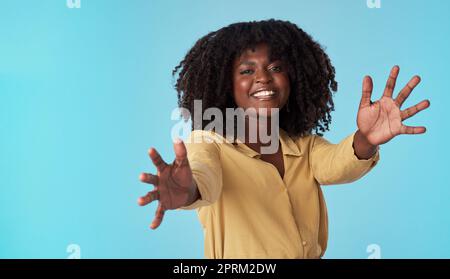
x=363 y=149
x=337 y=163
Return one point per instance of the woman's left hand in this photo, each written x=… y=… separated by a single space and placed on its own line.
x=381 y=121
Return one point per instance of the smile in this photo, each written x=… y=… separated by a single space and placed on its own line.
x=264 y=95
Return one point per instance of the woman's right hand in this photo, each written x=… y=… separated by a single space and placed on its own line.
x=174 y=183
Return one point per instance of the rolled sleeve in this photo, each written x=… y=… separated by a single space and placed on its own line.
x=204 y=159
x=337 y=163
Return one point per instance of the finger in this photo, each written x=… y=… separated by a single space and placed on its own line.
x=180 y=152
x=149 y=178
x=158 y=217
x=157 y=160
x=151 y=196
x=390 y=84
x=411 y=111
x=410 y=130
x=404 y=93
x=366 y=92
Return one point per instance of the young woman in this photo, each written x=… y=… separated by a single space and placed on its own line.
x=269 y=205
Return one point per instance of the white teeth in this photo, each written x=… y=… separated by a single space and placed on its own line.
x=264 y=93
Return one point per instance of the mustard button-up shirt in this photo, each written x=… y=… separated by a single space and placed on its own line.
x=248 y=211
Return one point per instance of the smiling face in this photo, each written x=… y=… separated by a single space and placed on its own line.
x=259 y=82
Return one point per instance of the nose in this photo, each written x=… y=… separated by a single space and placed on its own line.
x=263 y=76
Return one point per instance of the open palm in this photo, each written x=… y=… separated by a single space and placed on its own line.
x=174 y=183
x=381 y=121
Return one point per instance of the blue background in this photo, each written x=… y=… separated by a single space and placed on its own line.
x=85 y=92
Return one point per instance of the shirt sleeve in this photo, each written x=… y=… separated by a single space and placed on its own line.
x=203 y=152
x=337 y=163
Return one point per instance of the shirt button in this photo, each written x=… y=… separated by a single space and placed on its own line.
x=304 y=243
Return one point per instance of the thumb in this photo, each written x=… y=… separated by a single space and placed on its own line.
x=180 y=152
x=366 y=92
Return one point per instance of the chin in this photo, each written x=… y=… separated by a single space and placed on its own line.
x=267 y=111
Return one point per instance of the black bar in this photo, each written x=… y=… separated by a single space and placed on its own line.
x=225 y=268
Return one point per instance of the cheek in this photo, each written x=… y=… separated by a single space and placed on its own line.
x=242 y=85
x=282 y=82
x=241 y=89
x=286 y=90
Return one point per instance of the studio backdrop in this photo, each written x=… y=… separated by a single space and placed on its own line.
x=86 y=88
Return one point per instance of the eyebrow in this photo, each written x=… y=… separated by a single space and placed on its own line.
x=251 y=63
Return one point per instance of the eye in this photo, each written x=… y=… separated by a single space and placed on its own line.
x=246 y=72
x=276 y=69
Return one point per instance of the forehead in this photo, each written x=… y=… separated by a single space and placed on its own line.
x=257 y=52
x=261 y=48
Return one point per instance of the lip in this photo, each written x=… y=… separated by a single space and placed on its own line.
x=266 y=98
x=264 y=89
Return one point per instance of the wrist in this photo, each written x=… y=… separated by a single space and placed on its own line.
x=362 y=147
x=194 y=193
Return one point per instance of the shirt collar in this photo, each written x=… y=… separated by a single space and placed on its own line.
x=288 y=146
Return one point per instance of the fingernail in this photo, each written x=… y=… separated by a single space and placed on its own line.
x=177 y=140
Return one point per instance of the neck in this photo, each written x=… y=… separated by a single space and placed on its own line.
x=263 y=133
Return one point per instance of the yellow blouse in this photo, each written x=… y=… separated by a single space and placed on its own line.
x=248 y=211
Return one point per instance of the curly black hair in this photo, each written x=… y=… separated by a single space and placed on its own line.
x=205 y=73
